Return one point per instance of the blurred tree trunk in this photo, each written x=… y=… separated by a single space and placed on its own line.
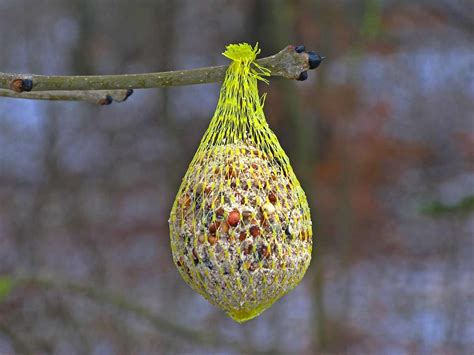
x=166 y=35
x=276 y=23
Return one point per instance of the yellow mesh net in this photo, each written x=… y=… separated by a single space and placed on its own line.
x=240 y=225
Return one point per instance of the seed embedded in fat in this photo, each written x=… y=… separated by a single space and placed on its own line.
x=233 y=218
x=268 y=208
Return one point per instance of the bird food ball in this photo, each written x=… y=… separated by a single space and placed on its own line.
x=240 y=229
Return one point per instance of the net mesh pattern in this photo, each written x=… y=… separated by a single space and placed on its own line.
x=240 y=225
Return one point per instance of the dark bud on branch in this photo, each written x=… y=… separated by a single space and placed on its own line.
x=303 y=76
x=314 y=60
x=106 y=100
x=20 y=85
x=300 y=49
x=128 y=94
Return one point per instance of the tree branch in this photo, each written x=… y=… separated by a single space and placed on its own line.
x=159 y=323
x=100 y=97
x=291 y=63
x=19 y=346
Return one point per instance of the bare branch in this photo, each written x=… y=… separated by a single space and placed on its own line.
x=291 y=63
x=18 y=344
x=158 y=322
x=100 y=97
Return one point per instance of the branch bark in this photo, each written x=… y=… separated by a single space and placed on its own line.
x=290 y=63
x=100 y=97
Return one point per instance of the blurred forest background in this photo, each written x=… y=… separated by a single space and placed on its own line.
x=381 y=137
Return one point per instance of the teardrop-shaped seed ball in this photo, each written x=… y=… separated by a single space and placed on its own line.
x=240 y=229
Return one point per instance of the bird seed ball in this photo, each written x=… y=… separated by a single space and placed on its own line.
x=240 y=229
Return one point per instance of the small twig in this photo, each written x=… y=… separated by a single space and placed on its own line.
x=18 y=344
x=100 y=97
x=158 y=322
x=291 y=63
x=108 y=298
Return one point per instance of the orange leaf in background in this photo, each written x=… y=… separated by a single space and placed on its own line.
x=337 y=102
x=465 y=143
x=360 y=159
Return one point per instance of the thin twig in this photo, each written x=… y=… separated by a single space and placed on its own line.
x=158 y=322
x=100 y=97
x=290 y=63
x=19 y=346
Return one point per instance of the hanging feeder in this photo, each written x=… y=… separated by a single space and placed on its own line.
x=240 y=225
